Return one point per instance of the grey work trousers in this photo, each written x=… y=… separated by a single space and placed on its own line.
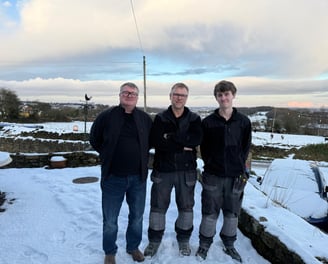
x=218 y=194
x=184 y=184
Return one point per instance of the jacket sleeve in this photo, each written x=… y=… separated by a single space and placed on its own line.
x=193 y=136
x=205 y=144
x=96 y=133
x=247 y=139
x=161 y=139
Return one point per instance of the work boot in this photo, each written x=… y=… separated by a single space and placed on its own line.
x=137 y=255
x=184 y=249
x=151 y=249
x=232 y=252
x=201 y=253
x=109 y=259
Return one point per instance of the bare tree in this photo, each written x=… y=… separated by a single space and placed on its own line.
x=9 y=105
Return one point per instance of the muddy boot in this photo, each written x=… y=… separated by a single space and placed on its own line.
x=151 y=249
x=184 y=249
x=232 y=252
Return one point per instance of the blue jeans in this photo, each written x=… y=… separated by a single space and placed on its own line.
x=114 y=188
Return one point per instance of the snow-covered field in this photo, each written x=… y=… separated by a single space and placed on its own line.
x=285 y=141
x=53 y=220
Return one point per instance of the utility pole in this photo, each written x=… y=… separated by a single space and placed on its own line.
x=144 y=77
x=273 y=120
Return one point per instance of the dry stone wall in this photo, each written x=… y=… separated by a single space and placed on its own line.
x=45 y=142
x=35 y=149
x=267 y=245
x=73 y=159
x=30 y=145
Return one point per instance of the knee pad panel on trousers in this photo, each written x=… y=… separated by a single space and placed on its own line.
x=185 y=220
x=230 y=225
x=208 y=225
x=157 y=221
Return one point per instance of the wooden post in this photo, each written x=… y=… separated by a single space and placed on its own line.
x=144 y=76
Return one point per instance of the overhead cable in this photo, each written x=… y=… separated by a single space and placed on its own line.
x=136 y=24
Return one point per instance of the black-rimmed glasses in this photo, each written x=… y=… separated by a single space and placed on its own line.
x=180 y=95
x=129 y=94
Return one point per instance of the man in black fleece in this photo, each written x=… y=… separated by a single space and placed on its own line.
x=224 y=149
x=175 y=134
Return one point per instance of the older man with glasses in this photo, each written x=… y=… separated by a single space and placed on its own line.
x=175 y=134
x=121 y=136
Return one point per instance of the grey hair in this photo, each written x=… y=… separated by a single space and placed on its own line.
x=130 y=84
x=180 y=85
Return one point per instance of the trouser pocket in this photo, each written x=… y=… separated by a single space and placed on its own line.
x=239 y=183
x=191 y=178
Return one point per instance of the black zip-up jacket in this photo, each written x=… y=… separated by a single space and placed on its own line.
x=226 y=144
x=169 y=135
x=105 y=132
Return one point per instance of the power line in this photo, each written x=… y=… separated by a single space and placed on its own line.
x=144 y=58
x=136 y=24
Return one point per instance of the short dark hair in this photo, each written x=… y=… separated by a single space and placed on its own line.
x=224 y=86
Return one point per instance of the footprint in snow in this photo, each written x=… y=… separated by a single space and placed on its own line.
x=35 y=256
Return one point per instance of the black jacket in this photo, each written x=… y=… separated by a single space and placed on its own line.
x=169 y=135
x=226 y=144
x=105 y=132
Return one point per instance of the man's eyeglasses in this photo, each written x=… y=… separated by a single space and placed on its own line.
x=129 y=94
x=180 y=95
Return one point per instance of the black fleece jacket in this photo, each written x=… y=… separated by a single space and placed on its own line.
x=105 y=132
x=226 y=144
x=169 y=136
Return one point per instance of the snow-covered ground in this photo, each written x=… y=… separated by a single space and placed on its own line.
x=53 y=220
x=50 y=219
x=285 y=141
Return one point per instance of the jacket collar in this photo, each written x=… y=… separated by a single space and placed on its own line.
x=233 y=116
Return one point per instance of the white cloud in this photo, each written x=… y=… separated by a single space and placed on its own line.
x=6 y=4
x=234 y=30
x=251 y=92
x=186 y=39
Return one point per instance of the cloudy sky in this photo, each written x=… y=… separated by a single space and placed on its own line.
x=275 y=51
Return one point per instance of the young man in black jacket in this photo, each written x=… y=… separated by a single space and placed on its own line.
x=121 y=136
x=224 y=149
x=175 y=134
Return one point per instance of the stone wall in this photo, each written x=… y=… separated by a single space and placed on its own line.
x=266 y=244
x=54 y=135
x=74 y=159
x=32 y=145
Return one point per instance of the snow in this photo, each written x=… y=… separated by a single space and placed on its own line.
x=14 y=129
x=285 y=141
x=50 y=219
x=260 y=118
x=324 y=173
x=308 y=241
x=4 y=158
x=57 y=158
x=53 y=220
x=292 y=183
